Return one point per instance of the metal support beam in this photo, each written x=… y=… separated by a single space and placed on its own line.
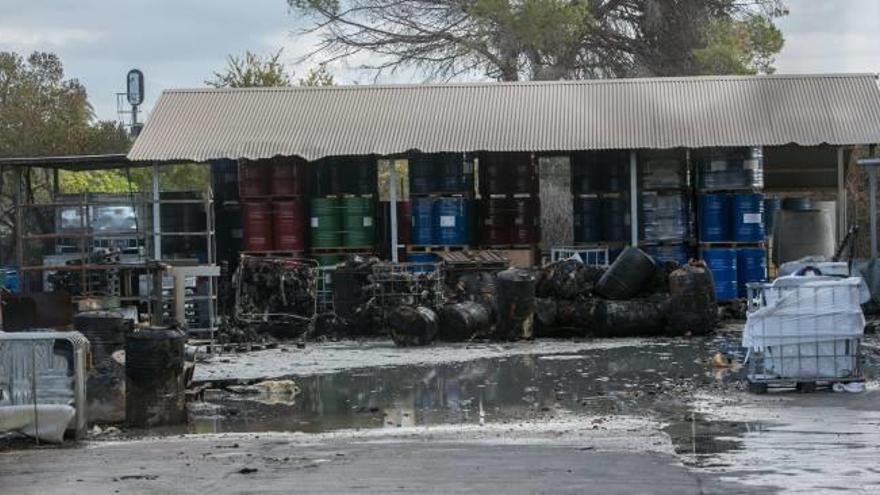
x=392 y=188
x=841 y=194
x=871 y=165
x=19 y=227
x=634 y=198
x=157 y=222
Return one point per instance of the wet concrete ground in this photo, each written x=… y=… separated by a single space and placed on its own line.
x=653 y=409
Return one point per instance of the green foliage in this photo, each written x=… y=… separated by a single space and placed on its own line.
x=252 y=71
x=317 y=77
x=740 y=47
x=184 y=177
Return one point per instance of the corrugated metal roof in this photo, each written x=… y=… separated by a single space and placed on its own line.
x=206 y=124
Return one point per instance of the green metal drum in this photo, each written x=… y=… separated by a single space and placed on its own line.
x=357 y=221
x=326 y=230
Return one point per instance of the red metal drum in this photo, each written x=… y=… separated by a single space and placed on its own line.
x=288 y=176
x=403 y=222
x=496 y=224
x=289 y=225
x=526 y=223
x=253 y=179
x=494 y=174
x=257 y=225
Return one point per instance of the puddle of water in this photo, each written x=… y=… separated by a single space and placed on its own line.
x=623 y=380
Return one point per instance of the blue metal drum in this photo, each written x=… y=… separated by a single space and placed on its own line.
x=747 y=211
x=453 y=173
x=421 y=258
x=422 y=174
x=616 y=219
x=751 y=266
x=451 y=221
x=797 y=204
x=771 y=206
x=714 y=225
x=422 y=226
x=587 y=220
x=722 y=264
x=678 y=253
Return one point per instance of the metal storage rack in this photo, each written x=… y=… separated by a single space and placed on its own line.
x=121 y=279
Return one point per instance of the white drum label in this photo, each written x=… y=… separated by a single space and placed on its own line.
x=447 y=221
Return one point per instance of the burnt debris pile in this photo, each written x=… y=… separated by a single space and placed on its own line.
x=273 y=297
x=633 y=297
x=271 y=286
x=419 y=303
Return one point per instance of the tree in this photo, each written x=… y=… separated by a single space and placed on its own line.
x=252 y=71
x=317 y=77
x=550 y=39
x=44 y=114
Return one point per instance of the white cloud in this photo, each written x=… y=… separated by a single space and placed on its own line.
x=49 y=37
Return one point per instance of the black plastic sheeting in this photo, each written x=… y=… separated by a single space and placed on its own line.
x=638 y=317
x=568 y=279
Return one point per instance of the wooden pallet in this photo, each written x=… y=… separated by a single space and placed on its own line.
x=346 y=195
x=275 y=254
x=343 y=250
x=436 y=248
x=443 y=194
x=270 y=197
x=508 y=247
x=733 y=244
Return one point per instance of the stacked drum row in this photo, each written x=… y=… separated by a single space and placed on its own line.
x=600 y=186
x=343 y=209
x=731 y=218
x=441 y=192
x=273 y=211
x=665 y=206
x=509 y=212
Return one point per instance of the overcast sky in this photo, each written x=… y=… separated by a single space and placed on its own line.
x=178 y=43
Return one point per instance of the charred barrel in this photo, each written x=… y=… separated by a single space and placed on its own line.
x=413 y=325
x=464 y=320
x=627 y=275
x=105 y=331
x=516 y=304
x=692 y=305
x=154 y=377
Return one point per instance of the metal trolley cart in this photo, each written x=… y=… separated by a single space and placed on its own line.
x=803 y=332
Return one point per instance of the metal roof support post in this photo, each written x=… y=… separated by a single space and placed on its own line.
x=633 y=198
x=392 y=188
x=157 y=222
x=17 y=199
x=871 y=165
x=841 y=194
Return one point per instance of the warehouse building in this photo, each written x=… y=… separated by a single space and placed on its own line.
x=526 y=165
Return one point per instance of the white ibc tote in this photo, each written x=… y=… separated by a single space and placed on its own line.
x=805 y=327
